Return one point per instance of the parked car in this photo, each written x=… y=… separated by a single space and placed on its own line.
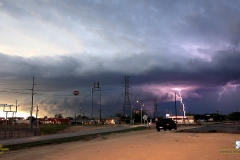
x=166 y=123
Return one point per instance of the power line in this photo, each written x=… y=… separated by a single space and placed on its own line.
x=155 y=108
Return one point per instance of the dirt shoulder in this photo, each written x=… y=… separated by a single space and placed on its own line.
x=146 y=144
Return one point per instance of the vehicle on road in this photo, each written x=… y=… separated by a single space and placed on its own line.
x=166 y=123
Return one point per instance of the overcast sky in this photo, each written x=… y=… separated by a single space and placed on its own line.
x=164 y=46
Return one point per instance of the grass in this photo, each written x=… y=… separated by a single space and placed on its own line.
x=53 y=128
x=68 y=139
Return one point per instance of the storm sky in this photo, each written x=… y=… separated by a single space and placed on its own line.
x=187 y=47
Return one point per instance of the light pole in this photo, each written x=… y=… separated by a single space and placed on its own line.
x=75 y=115
x=141 y=114
x=175 y=108
x=132 y=111
x=76 y=93
x=97 y=88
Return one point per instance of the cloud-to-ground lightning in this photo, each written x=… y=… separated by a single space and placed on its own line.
x=220 y=94
x=181 y=100
x=234 y=87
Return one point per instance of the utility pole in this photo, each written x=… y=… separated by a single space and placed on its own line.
x=80 y=110
x=126 y=101
x=37 y=121
x=75 y=115
x=16 y=105
x=97 y=87
x=141 y=113
x=155 y=108
x=76 y=93
x=100 y=107
x=31 y=112
x=16 y=109
x=92 y=106
x=176 y=107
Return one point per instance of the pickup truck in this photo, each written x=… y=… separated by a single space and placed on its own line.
x=166 y=123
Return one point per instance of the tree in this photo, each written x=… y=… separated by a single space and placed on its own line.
x=216 y=117
x=33 y=118
x=199 y=116
x=118 y=115
x=79 y=117
x=84 y=118
x=58 y=115
x=234 y=116
x=189 y=114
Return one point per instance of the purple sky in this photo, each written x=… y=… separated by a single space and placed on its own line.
x=165 y=46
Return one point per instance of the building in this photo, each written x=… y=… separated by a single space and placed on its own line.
x=110 y=120
x=54 y=120
x=182 y=119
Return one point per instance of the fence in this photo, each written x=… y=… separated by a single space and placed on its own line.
x=10 y=131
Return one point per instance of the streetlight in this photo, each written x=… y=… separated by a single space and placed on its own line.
x=131 y=111
x=176 y=108
x=141 y=114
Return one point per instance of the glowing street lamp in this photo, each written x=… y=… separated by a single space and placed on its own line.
x=132 y=111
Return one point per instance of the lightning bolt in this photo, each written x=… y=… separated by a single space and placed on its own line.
x=234 y=87
x=181 y=100
x=221 y=93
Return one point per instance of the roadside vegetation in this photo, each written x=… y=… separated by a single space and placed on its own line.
x=216 y=117
x=69 y=139
x=53 y=128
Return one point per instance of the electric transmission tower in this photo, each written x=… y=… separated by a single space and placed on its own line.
x=155 y=108
x=126 y=101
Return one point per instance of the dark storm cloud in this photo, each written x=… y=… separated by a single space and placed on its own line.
x=223 y=68
x=160 y=44
x=66 y=70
